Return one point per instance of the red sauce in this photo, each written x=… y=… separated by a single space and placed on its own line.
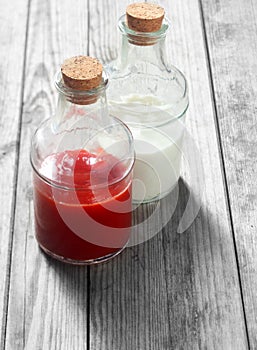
x=78 y=221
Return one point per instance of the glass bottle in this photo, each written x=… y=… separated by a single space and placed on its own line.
x=82 y=162
x=151 y=96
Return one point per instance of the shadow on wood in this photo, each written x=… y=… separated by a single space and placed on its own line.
x=164 y=294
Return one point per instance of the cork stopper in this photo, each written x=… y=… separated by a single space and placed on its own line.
x=144 y=17
x=82 y=73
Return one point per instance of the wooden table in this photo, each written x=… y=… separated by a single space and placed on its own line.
x=191 y=290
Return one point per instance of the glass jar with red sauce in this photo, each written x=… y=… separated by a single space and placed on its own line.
x=82 y=161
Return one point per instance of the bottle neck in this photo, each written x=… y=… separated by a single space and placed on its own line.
x=136 y=46
x=73 y=105
x=132 y=52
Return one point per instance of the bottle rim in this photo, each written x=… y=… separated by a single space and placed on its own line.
x=144 y=36
x=79 y=94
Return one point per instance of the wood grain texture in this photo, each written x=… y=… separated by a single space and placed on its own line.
x=177 y=291
x=232 y=36
x=48 y=300
x=13 y=18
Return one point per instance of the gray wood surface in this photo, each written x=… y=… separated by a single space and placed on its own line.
x=47 y=301
x=12 y=43
x=178 y=290
x=232 y=37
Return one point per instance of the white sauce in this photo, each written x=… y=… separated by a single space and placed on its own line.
x=158 y=149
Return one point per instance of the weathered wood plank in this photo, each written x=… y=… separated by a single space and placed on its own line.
x=178 y=291
x=232 y=36
x=13 y=19
x=48 y=300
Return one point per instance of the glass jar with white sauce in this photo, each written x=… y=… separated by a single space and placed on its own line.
x=151 y=96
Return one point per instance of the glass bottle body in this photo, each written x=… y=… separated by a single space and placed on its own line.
x=82 y=161
x=150 y=96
